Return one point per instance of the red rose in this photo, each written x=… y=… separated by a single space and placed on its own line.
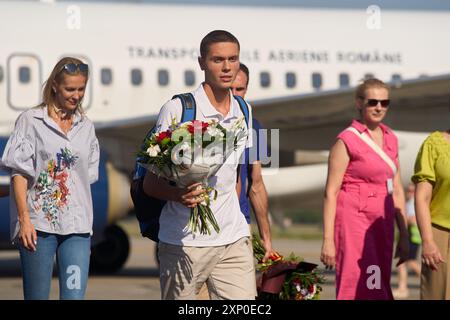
x=163 y=135
x=197 y=125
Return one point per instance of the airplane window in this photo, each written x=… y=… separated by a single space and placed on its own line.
x=317 y=80
x=136 y=77
x=106 y=76
x=369 y=76
x=396 y=77
x=291 y=80
x=396 y=80
x=189 y=77
x=264 y=79
x=24 y=74
x=344 y=80
x=163 y=77
x=1 y=74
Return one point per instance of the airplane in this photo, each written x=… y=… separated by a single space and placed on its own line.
x=304 y=64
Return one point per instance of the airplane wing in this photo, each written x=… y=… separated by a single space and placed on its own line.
x=307 y=121
x=312 y=121
x=121 y=139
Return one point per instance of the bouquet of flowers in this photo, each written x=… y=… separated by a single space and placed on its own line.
x=192 y=152
x=286 y=278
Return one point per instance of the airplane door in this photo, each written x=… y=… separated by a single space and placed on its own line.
x=24 y=81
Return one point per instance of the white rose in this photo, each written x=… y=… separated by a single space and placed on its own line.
x=214 y=132
x=153 y=151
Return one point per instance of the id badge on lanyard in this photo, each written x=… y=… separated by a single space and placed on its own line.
x=390 y=186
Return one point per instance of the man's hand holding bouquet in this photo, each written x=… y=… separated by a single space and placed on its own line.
x=188 y=154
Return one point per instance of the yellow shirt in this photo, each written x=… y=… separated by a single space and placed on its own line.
x=433 y=165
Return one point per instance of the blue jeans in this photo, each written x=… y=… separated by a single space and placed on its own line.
x=72 y=256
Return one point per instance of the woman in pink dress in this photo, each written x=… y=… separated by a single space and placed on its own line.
x=363 y=197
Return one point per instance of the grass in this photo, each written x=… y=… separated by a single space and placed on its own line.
x=304 y=216
x=295 y=231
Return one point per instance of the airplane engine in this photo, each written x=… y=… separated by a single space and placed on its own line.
x=111 y=202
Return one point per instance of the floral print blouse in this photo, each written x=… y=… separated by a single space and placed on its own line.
x=59 y=169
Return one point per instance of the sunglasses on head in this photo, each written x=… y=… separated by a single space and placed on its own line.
x=73 y=67
x=374 y=102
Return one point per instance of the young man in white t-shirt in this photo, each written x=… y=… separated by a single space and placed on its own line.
x=223 y=260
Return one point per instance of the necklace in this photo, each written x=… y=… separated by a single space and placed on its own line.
x=62 y=113
x=63 y=118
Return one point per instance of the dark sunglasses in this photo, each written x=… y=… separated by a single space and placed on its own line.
x=73 y=67
x=374 y=102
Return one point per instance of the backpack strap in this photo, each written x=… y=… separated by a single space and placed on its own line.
x=249 y=178
x=189 y=106
x=244 y=108
x=139 y=171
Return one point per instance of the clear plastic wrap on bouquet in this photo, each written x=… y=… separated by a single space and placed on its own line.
x=189 y=153
x=189 y=172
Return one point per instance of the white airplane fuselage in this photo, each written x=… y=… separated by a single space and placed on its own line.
x=141 y=55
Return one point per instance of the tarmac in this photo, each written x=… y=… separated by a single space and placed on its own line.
x=139 y=278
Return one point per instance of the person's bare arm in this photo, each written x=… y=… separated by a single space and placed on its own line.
x=337 y=164
x=400 y=217
x=260 y=204
x=430 y=252
x=27 y=232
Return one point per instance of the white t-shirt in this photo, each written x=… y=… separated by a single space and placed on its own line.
x=226 y=209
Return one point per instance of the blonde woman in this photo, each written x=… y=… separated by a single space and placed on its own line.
x=363 y=198
x=52 y=156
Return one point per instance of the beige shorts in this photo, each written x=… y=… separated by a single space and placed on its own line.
x=227 y=270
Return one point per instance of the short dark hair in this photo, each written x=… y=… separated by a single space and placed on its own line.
x=244 y=69
x=215 y=37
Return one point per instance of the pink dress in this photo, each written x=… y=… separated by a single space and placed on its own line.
x=364 y=225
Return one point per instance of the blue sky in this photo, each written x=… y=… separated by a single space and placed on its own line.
x=356 y=4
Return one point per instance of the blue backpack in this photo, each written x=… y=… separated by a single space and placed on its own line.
x=148 y=209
